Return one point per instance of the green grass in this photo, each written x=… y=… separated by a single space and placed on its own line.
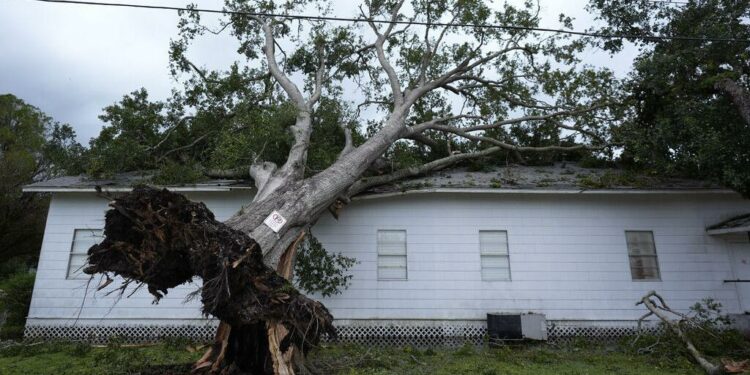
x=70 y=358
x=537 y=360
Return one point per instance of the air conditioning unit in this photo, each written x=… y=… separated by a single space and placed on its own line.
x=514 y=326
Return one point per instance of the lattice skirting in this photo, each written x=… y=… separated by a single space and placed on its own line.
x=130 y=334
x=376 y=333
x=563 y=331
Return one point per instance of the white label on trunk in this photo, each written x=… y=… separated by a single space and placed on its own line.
x=275 y=221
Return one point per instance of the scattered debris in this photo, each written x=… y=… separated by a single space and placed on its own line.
x=658 y=307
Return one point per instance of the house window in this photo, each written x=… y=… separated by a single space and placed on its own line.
x=493 y=253
x=392 y=255
x=644 y=264
x=83 y=239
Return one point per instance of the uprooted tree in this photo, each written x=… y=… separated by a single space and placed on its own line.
x=429 y=79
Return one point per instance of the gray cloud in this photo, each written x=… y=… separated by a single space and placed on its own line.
x=71 y=61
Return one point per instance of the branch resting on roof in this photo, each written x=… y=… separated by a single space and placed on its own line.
x=368 y=182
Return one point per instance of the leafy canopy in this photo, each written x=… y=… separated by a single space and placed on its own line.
x=33 y=147
x=681 y=122
x=226 y=119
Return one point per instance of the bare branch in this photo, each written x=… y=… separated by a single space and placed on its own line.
x=479 y=138
x=169 y=132
x=661 y=310
x=200 y=72
x=566 y=112
x=232 y=173
x=261 y=174
x=368 y=182
x=430 y=124
x=423 y=139
x=398 y=96
x=289 y=87
x=464 y=132
x=455 y=73
x=185 y=147
x=348 y=141
x=319 y=79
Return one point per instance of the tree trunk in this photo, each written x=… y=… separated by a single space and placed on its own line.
x=302 y=202
x=739 y=96
x=162 y=240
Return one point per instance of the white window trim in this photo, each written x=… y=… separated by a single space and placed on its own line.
x=378 y=255
x=74 y=274
x=506 y=255
x=655 y=256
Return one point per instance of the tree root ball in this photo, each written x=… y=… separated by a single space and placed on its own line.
x=161 y=239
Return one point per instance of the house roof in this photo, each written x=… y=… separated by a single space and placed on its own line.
x=736 y=224
x=557 y=178
x=125 y=182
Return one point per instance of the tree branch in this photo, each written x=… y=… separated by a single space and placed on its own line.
x=231 y=173
x=368 y=182
x=348 y=141
x=169 y=132
x=398 y=96
x=479 y=138
x=739 y=96
x=319 y=79
x=185 y=147
x=661 y=312
x=273 y=67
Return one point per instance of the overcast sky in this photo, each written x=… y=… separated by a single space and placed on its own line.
x=73 y=60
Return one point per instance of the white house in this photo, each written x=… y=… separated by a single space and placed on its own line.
x=438 y=253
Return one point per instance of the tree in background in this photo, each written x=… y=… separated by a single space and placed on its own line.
x=33 y=147
x=689 y=98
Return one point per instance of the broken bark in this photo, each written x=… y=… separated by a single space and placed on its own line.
x=739 y=96
x=161 y=239
x=659 y=308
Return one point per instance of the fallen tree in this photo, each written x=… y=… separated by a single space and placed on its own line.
x=435 y=84
x=161 y=239
x=658 y=307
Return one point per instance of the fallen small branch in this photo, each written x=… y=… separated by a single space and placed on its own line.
x=659 y=308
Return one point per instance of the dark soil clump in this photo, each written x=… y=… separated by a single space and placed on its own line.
x=161 y=239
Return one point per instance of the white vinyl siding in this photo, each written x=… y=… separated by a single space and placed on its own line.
x=494 y=257
x=83 y=239
x=644 y=264
x=392 y=255
x=569 y=258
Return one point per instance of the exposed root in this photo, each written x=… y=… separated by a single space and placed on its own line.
x=161 y=239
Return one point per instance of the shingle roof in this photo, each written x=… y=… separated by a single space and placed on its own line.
x=125 y=181
x=557 y=177
x=560 y=176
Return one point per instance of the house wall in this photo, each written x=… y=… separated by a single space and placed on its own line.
x=57 y=300
x=568 y=258
x=568 y=255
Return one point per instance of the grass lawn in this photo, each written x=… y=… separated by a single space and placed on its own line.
x=175 y=357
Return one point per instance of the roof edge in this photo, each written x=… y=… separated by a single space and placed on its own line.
x=123 y=189
x=28 y=189
x=548 y=191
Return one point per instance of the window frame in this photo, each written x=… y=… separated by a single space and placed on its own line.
x=389 y=255
x=654 y=256
x=74 y=274
x=497 y=255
